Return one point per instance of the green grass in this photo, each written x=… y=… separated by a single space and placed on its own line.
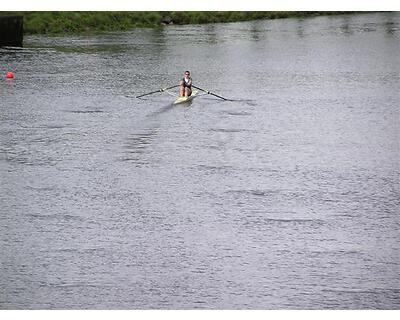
x=46 y=22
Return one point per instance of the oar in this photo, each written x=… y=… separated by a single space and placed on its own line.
x=159 y=90
x=208 y=92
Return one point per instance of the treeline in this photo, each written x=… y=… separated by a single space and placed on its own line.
x=80 y=22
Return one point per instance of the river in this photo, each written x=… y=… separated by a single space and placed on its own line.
x=287 y=197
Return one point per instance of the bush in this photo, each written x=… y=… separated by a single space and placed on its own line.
x=73 y=22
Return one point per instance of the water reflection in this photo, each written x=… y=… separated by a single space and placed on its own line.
x=258 y=31
x=391 y=25
x=300 y=28
x=345 y=26
x=210 y=32
x=255 y=32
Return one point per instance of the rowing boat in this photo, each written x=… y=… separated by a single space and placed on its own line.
x=186 y=99
x=182 y=99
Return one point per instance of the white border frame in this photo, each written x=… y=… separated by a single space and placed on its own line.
x=200 y=5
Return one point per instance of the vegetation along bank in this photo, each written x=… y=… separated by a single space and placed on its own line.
x=46 y=22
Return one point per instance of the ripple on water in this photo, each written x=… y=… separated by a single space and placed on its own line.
x=289 y=199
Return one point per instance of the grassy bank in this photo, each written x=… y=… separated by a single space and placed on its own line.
x=80 y=22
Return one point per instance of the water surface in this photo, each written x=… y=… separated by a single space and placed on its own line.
x=286 y=198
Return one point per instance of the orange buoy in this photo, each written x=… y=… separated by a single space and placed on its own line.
x=10 y=75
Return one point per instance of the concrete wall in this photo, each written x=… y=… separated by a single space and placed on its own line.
x=11 y=31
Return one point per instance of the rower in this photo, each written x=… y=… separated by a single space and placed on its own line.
x=185 y=85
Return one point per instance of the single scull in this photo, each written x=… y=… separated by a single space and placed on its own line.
x=186 y=99
x=183 y=99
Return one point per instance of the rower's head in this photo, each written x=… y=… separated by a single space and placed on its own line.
x=187 y=74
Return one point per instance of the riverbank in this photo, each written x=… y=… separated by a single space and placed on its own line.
x=87 y=22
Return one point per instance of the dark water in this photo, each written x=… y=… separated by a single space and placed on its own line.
x=286 y=198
